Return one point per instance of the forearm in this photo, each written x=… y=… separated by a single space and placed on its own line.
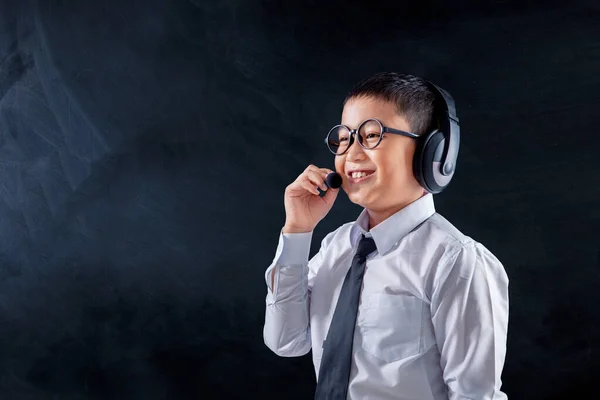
x=286 y=330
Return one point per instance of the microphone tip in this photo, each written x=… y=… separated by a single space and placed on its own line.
x=333 y=180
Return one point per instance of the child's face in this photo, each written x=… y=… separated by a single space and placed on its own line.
x=392 y=183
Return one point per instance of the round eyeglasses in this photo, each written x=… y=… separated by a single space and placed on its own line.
x=369 y=133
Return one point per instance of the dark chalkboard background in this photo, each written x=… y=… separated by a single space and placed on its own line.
x=145 y=147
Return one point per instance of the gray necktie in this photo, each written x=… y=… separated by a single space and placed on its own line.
x=334 y=371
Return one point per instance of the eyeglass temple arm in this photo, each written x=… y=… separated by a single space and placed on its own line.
x=399 y=132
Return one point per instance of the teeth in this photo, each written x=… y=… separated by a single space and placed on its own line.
x=359 y=174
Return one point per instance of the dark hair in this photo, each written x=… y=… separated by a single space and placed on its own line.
x=413 y=97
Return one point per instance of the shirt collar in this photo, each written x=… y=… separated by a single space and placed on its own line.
x=389 y=232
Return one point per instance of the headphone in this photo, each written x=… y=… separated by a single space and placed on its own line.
x=435 y=157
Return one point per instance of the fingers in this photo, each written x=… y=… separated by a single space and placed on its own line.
x=313 y=178
x=309 y=186
x=317 y=178
x=324 y=171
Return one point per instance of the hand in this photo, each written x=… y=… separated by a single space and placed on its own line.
x=304 y=208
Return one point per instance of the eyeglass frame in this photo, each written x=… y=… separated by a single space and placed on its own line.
x=353 y=132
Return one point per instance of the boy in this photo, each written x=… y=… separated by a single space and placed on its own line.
x=398 y=304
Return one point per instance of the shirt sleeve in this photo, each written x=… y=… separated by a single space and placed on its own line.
x=470 y=319
x=287 y=330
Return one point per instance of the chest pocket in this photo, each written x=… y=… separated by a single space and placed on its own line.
x=390 y=326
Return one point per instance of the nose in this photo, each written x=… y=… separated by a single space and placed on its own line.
x=355 y=151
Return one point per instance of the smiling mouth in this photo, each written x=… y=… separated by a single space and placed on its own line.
x=357 y=177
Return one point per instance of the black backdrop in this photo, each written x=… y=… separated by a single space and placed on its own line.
x=145 y=147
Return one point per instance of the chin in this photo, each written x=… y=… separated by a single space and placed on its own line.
x=361 y=201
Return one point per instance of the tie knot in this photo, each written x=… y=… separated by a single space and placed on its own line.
x=365 y=247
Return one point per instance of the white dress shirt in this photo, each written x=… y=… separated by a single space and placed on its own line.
x=432 y=319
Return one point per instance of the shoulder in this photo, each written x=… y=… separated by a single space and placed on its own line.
x=457 y=252
x=439 y=238
x=441 y=229
x=342 y=232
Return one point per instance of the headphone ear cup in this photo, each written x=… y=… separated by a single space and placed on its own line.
x=428 y=154
x=418 y=160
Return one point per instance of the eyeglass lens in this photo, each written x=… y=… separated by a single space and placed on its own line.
x=369 y=136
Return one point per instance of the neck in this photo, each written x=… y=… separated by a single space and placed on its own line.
x=378 y=216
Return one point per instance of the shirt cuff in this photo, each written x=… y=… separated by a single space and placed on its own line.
x=293 y=248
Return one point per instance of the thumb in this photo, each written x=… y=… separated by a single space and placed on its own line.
x=331 y=195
